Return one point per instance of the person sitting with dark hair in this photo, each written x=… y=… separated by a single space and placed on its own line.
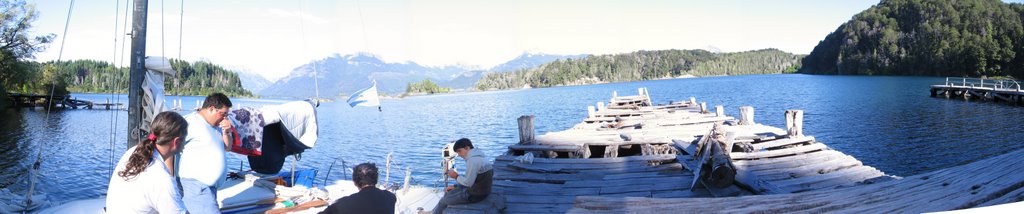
x=143 y=181
x=369 y=199
x=473 y=187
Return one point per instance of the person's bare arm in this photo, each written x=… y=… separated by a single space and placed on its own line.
x=225 y=126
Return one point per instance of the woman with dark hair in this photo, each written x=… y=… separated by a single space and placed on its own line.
x=143 y=181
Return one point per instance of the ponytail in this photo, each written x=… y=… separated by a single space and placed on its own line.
x=165 y=127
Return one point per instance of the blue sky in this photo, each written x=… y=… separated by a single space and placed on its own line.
x=269 y=38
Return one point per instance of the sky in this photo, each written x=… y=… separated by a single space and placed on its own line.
x=271 y=37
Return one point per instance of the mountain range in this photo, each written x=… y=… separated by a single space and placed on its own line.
x=338 y=75
x=252 y=81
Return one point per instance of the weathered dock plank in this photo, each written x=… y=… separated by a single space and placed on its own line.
x=989 y=181
x=780 y=152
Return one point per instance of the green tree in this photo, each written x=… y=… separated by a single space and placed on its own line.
x=17 y=45
x=918 y=37
x=425 y=87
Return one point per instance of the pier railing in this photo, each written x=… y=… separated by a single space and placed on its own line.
x=987 y=83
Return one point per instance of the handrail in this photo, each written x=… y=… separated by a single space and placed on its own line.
x=979 y=82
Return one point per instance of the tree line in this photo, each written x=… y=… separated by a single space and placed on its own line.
x=975 y=38
x=425 y=87
x=20 y=74
x=195 y=78
x=643 y=65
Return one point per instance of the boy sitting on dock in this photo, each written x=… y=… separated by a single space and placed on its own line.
x=475 y=185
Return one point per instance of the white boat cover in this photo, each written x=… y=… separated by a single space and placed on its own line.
x=299 y=117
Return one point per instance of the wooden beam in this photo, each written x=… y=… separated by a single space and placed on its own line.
x=526 y=131
x=780 y=152
x=747 y=115
x=795 y=123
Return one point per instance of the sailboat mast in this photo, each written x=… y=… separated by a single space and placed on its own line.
x=137 y=70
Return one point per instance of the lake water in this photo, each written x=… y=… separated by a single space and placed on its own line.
x=887 y=122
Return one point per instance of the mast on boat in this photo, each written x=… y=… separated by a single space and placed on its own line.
x=137 y=69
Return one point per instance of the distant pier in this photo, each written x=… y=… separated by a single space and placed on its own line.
x=1008 y=91
x=62 y=102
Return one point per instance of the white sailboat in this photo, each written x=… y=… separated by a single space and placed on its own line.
x=251 y=192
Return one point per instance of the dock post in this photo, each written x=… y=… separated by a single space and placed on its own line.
x=795 y=123
x=703 y=107
x=719 y=111
x=600 y=106
x=612 y=151
x=693 y=101
x=746 y=115
x=526 y=130
x=591 y=112
x=408 y=174
x=583 y=152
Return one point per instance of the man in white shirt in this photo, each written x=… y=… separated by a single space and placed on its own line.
x=475 y=185
x=203 y=165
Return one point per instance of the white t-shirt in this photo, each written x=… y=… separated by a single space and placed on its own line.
x=203 y=158
x=153 y=190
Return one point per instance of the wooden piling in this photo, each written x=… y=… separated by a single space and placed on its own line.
x=703 y=107
x=795 y=123
x=719 y=111
x=746 y=115
x=526 y=132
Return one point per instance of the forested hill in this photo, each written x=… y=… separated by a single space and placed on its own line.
x=197 y=78
x=926 y=37
x=643 y=65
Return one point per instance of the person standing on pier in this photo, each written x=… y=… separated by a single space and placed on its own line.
x=203 y=161
x=143 y=181
x=369 y=199
x=475 y=185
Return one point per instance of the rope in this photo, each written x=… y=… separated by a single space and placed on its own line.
x=113 y=116
x=163 y=36
x=181 y=30
x=302 y=31
x=366 y=45
x=49 y=105
x=120 y=64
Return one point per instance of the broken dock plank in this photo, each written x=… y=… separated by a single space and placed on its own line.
x=986 y=182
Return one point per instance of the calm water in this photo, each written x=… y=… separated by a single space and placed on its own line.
x=887 y=122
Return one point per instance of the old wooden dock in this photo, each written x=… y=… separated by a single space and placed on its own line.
x=987 y=182
x=62 y=102
x=631 y=148
x=1008 y=91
